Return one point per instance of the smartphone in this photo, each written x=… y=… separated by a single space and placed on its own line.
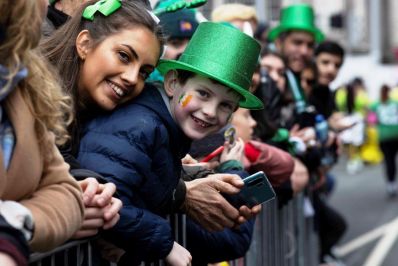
x=257 y=190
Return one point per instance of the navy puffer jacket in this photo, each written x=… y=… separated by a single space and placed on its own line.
x=139 y=148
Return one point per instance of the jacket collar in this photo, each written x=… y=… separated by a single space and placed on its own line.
x=152 y=99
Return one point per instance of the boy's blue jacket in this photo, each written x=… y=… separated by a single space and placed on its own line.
x=139 y=148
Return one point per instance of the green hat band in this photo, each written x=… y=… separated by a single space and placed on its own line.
x=221 y=53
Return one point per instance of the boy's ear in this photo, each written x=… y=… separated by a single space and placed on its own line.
x=171 y=83
x=83 y=42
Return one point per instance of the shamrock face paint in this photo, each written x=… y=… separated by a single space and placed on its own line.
x=184 y=99
x=203 y=106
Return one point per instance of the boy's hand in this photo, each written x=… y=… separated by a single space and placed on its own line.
x=178 y=256
x=188 y=160
x=204 y=203
x=233 y=152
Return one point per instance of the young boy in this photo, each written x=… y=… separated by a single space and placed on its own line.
x=139 y=146
x=329 y=57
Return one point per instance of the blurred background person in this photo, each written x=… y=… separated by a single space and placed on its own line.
x=308 y=79
x=386 y=110
x=353 y=101
x=242 y=16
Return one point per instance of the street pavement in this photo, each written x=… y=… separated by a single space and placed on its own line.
x=362 y=200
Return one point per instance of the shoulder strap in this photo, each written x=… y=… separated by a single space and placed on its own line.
x=296 y=91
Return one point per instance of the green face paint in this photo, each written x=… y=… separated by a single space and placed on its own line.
x=180 y=98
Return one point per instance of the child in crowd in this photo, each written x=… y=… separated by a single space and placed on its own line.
x=143 y=157
x=112 y=55
x=38 y=195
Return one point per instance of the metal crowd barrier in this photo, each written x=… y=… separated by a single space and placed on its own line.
x=282 y=237
x=72 y=253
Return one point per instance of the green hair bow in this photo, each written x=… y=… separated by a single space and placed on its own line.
x=169 y=6
x=105 y=7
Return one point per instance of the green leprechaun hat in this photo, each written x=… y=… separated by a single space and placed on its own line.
x=297 y=17
x=221 y=53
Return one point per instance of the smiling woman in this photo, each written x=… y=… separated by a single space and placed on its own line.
x=112 y=56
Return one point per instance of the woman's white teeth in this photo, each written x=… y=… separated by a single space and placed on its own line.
x=201 y=122
x=117 y=90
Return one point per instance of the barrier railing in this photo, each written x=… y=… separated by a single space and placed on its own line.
x=71 y=253
x=282 y=237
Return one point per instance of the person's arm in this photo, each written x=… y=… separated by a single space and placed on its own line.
x=205 y=204
x=210 y=247
x=277 y=164
x=300 y=177
x=205 y=199
x=14 y=248
x=123 y=158
x=101 y=208
x=56 y=204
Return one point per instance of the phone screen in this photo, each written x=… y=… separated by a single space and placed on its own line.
x=257 y=190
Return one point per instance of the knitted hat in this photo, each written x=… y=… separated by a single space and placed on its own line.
x=179 y=24
x=224 y=54
x=297 y=17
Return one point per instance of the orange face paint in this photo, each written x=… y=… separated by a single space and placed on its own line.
x=185 y=99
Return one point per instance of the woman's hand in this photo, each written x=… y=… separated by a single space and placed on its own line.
x=101 y=208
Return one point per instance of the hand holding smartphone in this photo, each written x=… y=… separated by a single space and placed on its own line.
x=257 y=190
